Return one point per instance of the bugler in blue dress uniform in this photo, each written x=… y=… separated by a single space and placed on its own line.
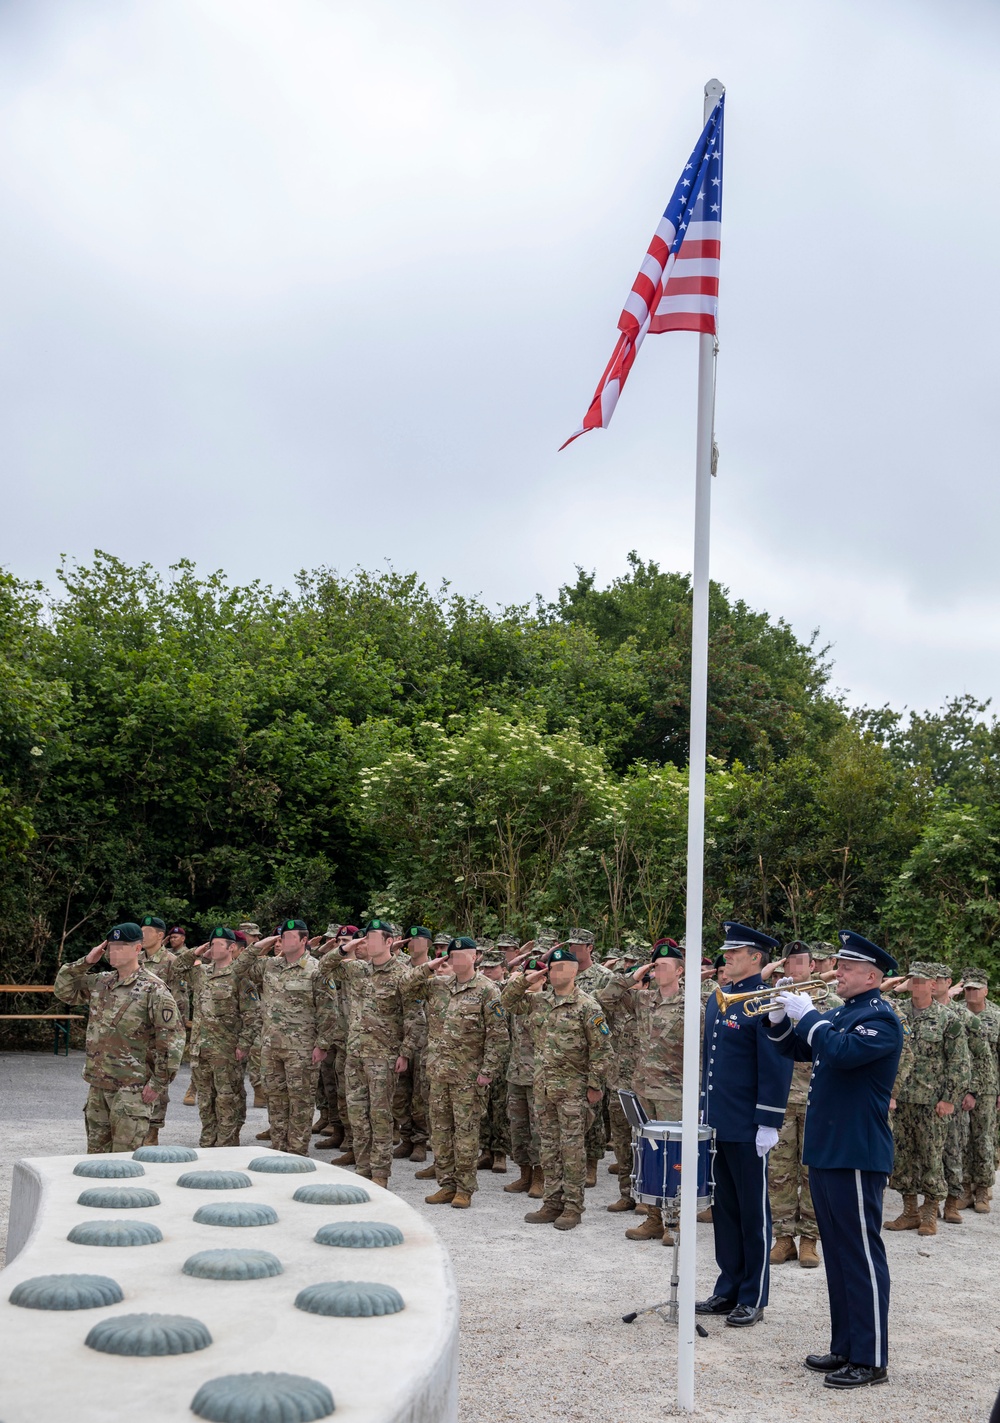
x=847 y=1145
x=745 y=1081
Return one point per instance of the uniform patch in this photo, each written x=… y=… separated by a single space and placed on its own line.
x=866 y=1032
x=498 y=1012
x=167 y=1014
x=601 y=1024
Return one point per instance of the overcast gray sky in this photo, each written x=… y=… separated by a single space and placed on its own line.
x=319 y=282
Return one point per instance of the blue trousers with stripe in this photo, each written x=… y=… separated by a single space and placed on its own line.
x=848 y=1208
x=741 y=1216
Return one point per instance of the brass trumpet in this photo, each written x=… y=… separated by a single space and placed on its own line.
x=764 y=1000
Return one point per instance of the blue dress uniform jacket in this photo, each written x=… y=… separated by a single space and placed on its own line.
x=745 y=1077
x=847 y=1146
x=855 y=1052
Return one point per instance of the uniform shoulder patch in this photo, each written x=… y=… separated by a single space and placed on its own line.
x=601 y=1024
x=498 y=1010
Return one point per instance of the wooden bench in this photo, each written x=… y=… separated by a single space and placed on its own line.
x=60 y=1021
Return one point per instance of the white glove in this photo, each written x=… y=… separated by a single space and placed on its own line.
x=767 y=1138
x=776 y=1015
x=796 y=1005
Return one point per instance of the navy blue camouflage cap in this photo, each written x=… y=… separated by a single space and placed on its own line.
x=151 y=921
x=563 y=956
x=127 y=933
x=221 y=932
x=666 y=949
x=856 y=949
x=462 y=942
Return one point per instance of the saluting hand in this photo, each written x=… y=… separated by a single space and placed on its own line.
x=97 y=954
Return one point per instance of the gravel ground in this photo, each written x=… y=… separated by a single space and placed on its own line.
x=542 y=1337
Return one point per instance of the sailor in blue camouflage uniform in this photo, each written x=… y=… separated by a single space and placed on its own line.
x=744 y=1088
x=847 y=1145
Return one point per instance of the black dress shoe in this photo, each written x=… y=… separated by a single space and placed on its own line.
x=825 y=1363
x=744 y=1315
x=715 y=1304
x=855 y=1376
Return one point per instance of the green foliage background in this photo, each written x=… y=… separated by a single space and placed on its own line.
x=186 y=746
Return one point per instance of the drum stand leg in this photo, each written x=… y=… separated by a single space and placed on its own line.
x=667 y=1309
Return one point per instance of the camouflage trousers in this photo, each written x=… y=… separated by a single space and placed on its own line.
x=409 y=1100
x=788 y=1181
x=524 y=1143
x=919 y=1135
x=158 y=1111
x=222 y=1103
x=327 y=1090
x=254 y=1068
x=597 y=1132
x=494 y=1129
x=371 y=1083
x=955 y=1138
x=456 y=1110
x=290 y=1084
x=116 y=1121
x=340 y=1056
x=564 y=1119
x=980 y=1151
x=621 y=1143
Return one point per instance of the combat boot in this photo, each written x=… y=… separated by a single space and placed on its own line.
x=545 y=1215
x=591 y=1173
x=499 y=1167
x=264 y=1135
x=537 y=1189
x=910 y=1218
x=569 y=1218
x=928 y=1216
x=443 y=1197
x=668 y=1238
x=333 y=1139
x=485 y=1161
x=614 y=1169
x=808 y=1258
x=704 y=1217
x=320 y=1124
x=967 y=1197
x=382 y=1181
x=461 y=1201
x=951 y=1211
x=784 y=1250
x=190 y=1096
x=402 y=1151
x=982 y=1206
x=419 y=1152
x=623 y=1203
x=522 y=1183
x=650 y=1229
x=346 y=1160
x=427 y=1174
x=152 y=1137
x=259 y=1100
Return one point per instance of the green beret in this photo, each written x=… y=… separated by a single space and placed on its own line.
x=462 y=942
x=292 y=924
x=378 y=926
x=221 y=932
x=419 y=932
x=150 y=921
x=563 y=956
x=666 y=949
x=125 y=934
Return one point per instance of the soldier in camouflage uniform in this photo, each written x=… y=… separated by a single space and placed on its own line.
x=225 y=1012
x=792 y=1210
x=659 y=1064
x=494 y=1132
x=524 y=1141
x=984 y=1047
x=465 y=1053
x=328 y=1124
x=297 y=1029
x=592 y=977
x=158 y=959
x=572 y=1059
x=409 y=1102
x=620 y=1009
x=925 y=1101
x=381 y=1030
x=135 y=1039
x=957 y=1126
x=254 y=1018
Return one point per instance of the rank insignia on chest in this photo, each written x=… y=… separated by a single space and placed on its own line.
x=731 y=1022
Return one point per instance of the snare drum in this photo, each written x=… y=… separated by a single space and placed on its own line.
x=656 y=1164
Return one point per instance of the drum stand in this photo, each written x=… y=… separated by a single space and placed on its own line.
x=667 y=1309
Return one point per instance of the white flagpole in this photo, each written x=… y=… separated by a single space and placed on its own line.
x=695 y=851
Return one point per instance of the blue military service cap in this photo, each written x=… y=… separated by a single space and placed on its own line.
x=857 y=949
x=739 y=936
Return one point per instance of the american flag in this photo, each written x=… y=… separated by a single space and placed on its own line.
x=677 y=288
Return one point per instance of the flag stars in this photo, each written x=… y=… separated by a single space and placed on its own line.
x=714 y=208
